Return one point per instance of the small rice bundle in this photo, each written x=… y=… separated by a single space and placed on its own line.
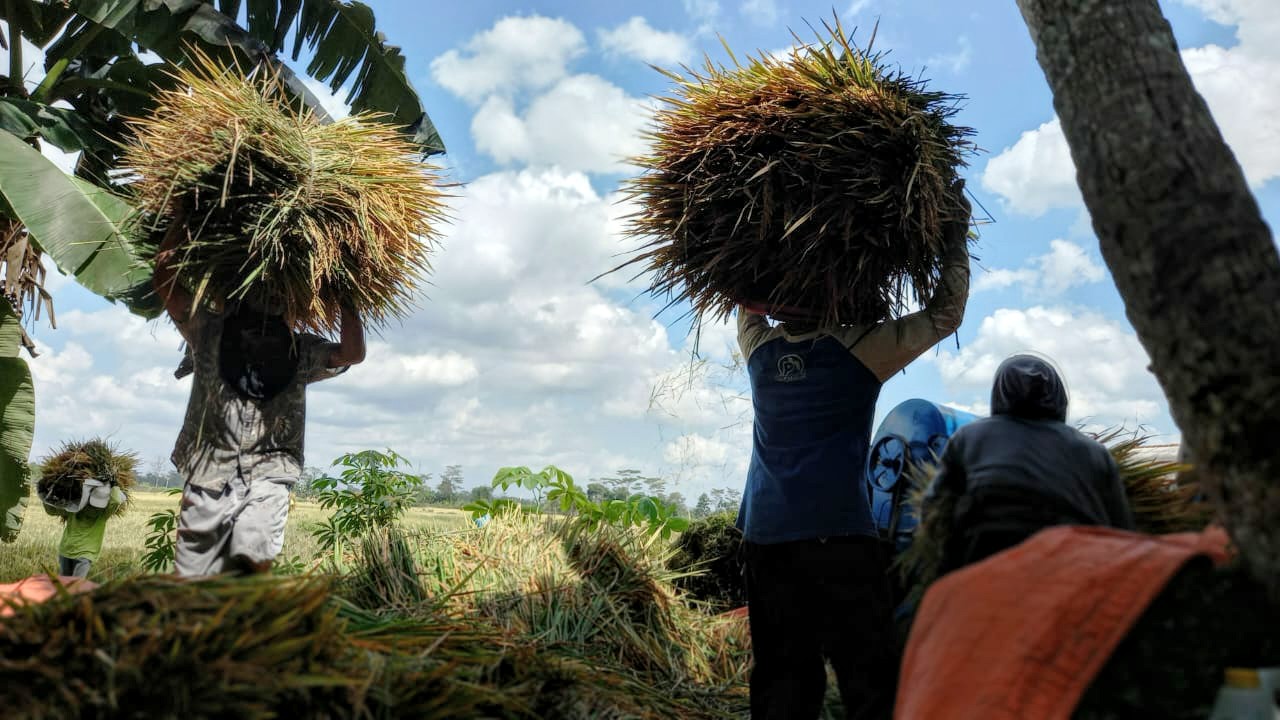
x=284 y=210
x=63 y=473
x=710 y=552
x=820 y=180
x=1161 y=503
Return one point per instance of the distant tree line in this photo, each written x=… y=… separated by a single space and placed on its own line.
x=450 y=490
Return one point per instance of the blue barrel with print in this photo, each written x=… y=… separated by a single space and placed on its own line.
x=914 y=431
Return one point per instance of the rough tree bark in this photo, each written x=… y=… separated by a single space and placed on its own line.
x=1193 y=259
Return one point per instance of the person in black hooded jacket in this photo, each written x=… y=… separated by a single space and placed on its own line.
x=1024 y=469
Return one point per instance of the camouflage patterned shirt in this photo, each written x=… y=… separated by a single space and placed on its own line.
x=225 y=435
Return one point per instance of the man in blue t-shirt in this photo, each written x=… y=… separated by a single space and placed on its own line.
x=817 y=582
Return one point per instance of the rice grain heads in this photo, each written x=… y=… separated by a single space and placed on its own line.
x=280 y=208
x=819 y=180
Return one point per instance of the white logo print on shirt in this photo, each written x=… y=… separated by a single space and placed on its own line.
x=790 y=368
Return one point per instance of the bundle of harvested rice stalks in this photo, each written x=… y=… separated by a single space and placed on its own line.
x=819 y=180
x=159 y=646
x=63 y=473
x=1160 y=502
x=710 y=552
x=920 y=563
x=278 y=207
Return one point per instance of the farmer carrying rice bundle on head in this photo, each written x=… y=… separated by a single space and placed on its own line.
x=274 y=223
x=820 y=189
x=84 y=484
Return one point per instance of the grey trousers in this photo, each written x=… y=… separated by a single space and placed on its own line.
x=73 y=567
x=244 y=523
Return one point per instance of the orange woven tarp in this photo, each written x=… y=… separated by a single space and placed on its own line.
x=38 y=588
x=1023 y=633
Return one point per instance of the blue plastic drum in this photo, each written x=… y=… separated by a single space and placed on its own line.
x=913 y=432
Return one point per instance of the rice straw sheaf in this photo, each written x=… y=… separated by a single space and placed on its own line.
x=820 y=180
x=259 y=647
x=282 y=209
x=1161 y=502
x=63 y=473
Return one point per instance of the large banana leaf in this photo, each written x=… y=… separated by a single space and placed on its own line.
x=17 y=426
x=62 y=127
x=342 y=36
x=77 y=224
x=40 y=22
x=344 y=40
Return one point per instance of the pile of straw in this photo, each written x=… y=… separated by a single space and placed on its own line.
x=1161 y=503
x=710 y=552
x=602 y=600
x=821 y=180
x=527 y=618
x=279 y=208
x=158 y=646
x=63 y=473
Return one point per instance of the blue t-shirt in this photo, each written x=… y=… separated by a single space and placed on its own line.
x=814 y=407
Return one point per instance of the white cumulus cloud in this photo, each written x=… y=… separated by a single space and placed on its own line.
x=531 y=109
x=583 y=122
x=956 y=61
x=1104 y=365
x=517 y=53
x=1065 y=266
x=335 y=104
x=638 y=40
x=761 y=12
x=1036 y=173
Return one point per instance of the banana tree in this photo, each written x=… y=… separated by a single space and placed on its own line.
x=17 y=424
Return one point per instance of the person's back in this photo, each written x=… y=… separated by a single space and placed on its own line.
x=240 y=419
x=1024 y=469
x=816 y=579
x=814 y=403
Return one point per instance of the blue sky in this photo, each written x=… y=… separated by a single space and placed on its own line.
x=514 y=359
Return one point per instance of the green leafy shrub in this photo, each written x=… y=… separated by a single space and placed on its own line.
x=370 y=493
x=556 y=487
x=162 y=540
x=708 y=552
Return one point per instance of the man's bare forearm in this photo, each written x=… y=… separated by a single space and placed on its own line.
x=177 y=301
x=351 y=349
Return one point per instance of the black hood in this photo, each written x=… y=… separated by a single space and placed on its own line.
x=1028 y=387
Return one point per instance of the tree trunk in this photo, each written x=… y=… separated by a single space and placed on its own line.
x=1187 y=246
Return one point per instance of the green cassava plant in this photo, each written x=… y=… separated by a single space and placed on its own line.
x=371 y=492
x=556 y=488
x=162 y=541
